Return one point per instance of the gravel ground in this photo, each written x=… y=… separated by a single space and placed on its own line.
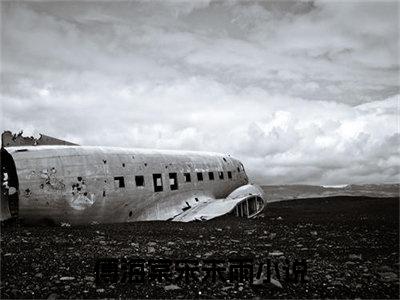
x=351 y=245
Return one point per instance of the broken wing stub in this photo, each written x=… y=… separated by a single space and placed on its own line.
x=245 y=201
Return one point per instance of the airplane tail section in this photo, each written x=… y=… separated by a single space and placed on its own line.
x=9 y=186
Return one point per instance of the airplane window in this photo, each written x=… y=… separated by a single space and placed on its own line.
x=157 y=181
x=221 y=175
x=199 y=176
x=229 y=174
x=139 y=180
x=119 y=182
x=211 y=175
x=187 y=177
x=173 y=181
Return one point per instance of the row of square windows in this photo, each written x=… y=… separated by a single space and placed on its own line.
x=173 y=179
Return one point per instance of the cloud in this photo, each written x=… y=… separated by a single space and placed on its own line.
x=301 y=92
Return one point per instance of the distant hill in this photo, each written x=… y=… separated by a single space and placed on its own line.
x=287 y=192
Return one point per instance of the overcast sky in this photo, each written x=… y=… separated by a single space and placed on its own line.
x=300 y=92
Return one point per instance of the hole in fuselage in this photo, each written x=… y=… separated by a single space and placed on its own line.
x=187 y=206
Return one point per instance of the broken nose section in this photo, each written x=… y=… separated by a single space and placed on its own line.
x=249 y=207
x=251 y=200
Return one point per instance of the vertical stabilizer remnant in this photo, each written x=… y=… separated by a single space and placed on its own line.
x=8 y=139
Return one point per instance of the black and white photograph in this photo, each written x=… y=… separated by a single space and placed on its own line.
x=200 y=149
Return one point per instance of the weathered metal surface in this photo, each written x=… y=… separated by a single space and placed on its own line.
x=79 y=184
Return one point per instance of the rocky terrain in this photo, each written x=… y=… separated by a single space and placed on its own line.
x=350 y=244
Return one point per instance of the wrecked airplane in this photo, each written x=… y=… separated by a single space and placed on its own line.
x=81 y=185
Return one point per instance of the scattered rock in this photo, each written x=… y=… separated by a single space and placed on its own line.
x=89 y=278
x=275 y=253
x=276 y=283
x=388 y=277
x=171 y=287
x=208 y=254
x=354 y=256
x=384 y=269
x=67 y=278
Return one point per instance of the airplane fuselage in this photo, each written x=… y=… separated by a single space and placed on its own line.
x=78 y=184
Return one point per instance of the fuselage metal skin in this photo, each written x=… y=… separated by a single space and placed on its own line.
x=82 y=185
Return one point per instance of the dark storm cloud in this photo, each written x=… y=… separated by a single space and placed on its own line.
x=300 y=91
